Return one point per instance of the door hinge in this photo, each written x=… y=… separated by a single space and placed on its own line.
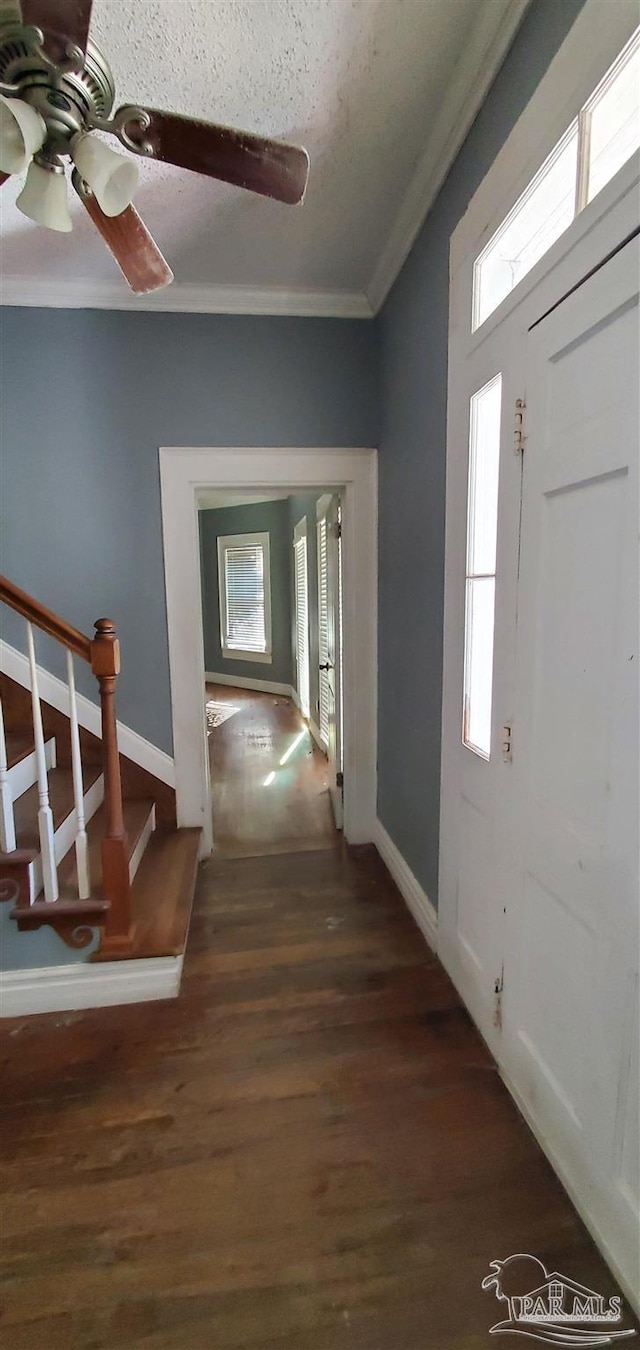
x=518 y=427
x=497 y=1007
x=337 y=530
x=339 y=780
x=507 y=743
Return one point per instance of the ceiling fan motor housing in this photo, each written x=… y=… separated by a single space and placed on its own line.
x=68 y=99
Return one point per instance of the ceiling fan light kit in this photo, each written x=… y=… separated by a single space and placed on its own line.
x=22 y=132
x=44 y=197
x=56 y=89
x=112 y=178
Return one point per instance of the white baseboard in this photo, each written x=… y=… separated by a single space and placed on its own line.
x=68 y=988
x=424 y=913
x=54 y=691
x=577 y=1190
x=244 y=682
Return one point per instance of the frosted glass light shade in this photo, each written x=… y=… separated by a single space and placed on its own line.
x=112 y=178
x=22 y=132
x=44 y=198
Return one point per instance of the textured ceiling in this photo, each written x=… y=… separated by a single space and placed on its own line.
x=359 y=82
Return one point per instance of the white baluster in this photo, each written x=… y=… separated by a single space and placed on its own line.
x=82 y=846
x=45 y=815
x=7 y=825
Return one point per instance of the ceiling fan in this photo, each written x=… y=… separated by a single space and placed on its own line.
x=56 y=89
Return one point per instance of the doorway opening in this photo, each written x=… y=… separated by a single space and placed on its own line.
x=271 y=572
x=184 y=472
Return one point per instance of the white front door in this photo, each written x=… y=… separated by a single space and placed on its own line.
x=330 y=644
x=571 y=959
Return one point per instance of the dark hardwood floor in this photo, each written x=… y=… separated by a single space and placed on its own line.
x=252 y=816
x=309 y=1150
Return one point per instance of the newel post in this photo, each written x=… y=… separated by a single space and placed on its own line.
x=105 y=664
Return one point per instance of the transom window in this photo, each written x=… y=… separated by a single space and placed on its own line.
x=245 y=596
x=596 y=145
x=482 y=536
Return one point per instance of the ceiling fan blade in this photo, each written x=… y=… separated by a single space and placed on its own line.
x=267 y=167
x=135 y=252
x=62 y=20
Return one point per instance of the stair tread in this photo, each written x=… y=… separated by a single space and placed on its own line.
x=19 y=745
x=162 y=894
x=136 y=814
x=61 y=801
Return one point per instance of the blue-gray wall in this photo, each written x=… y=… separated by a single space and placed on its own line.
x=413 y=335
x=87 y=397
x=43 y=947
x=271 y=518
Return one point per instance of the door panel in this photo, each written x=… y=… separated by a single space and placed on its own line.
x=570 y=1000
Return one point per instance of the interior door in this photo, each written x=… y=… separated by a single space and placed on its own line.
x=331 y=665
x=571 y=965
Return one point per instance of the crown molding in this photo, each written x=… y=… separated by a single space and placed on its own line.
x=489 y=42
x=186 y=298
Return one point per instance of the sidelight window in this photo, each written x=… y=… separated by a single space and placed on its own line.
x=480 y=586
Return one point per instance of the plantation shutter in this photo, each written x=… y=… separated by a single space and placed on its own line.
x=244 y=590
x=323 y=629
x=302 y=621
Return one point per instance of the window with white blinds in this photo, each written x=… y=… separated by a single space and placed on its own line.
x=302 y=613
x=245 y=600
x=323 y=630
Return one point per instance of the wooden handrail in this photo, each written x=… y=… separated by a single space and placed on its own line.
x=45 y=619
x=102 y=652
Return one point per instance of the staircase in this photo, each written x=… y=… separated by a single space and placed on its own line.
x=88 y=839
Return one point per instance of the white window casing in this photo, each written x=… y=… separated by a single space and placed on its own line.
x=244 y=589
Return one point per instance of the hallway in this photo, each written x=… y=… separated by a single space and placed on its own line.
x=260 y=803
x=310 y=1150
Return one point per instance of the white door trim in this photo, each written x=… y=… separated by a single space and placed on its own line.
x=184 y=471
